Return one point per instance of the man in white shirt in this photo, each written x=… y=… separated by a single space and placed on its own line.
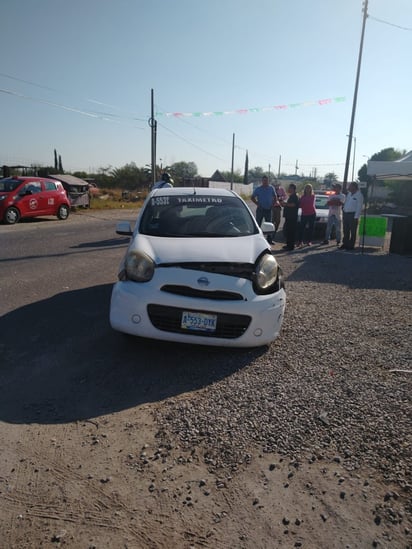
x=335 y=203
x=352 y=210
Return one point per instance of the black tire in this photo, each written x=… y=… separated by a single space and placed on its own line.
x=11 y=216
x=63 y=212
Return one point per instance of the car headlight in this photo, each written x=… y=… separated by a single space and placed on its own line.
x=266 y=274
x=3 y=197
x=138 y=267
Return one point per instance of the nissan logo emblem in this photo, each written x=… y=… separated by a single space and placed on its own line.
x=203 y=281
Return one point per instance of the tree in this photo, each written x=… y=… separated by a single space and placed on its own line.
x=182 y=170
x=330 y=178
x=237 y=176
x=256 y=173
x=386 y=155
x=55 y=159
x=129 y=177
x=81 y=175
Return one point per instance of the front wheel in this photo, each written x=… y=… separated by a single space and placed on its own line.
x=63 y=212
x=11 y=216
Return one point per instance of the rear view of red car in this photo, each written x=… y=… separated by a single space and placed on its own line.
x=31 y=197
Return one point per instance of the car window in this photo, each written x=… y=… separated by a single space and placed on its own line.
x=196 y=216
x=321 y=201
x=32 y=187
x=50 y=186
x=8 y=185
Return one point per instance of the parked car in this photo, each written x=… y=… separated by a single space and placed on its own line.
x=198 y=270
x=30 y=197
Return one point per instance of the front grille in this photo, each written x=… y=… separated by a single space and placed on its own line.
x=219 y=295
x=168 y=319
x=238 y=270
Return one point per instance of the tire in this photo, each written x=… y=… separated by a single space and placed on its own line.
x=11 y=216
x=63 y=212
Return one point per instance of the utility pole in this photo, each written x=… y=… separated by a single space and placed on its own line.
x=233 y=159
x=280 y=163
x=153 y=125
x=353 y=159
x=355 y=98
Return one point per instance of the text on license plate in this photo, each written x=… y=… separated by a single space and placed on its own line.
x=198 y=321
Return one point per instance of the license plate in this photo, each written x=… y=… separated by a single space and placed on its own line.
x=198 y=321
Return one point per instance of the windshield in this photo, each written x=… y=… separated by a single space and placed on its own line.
x=197 y=216
x=321 y=201
x=8 y=185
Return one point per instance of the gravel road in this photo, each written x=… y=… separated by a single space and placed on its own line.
x=336 y=383
x=113 y=442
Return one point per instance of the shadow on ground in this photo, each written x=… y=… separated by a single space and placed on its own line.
x=104 y=243
x=353 y=269
x=61 y=362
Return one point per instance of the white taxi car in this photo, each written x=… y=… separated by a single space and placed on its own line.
x=198 y=270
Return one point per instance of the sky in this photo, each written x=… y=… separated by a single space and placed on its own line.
x=274 y=77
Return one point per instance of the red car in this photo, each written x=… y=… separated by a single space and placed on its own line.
x=31 y=197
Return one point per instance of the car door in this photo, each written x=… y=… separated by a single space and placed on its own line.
x=30 y=199
x=50 y=197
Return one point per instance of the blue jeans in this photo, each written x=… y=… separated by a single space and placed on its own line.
x=264 y=214
x=333 y=221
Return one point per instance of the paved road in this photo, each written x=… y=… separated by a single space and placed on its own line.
x=44 y=257
x=59 y=359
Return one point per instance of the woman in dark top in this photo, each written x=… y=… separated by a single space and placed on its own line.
x=290 y=213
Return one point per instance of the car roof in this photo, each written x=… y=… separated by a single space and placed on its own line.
x=23 y=178
x=198 y=191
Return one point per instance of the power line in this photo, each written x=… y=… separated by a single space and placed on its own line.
x=189 y=142
x=390 y=24
x=63 y=107
x=94 y=101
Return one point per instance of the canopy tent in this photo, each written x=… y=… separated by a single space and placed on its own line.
x=396 y=169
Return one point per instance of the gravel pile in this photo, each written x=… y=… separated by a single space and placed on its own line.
x=336 y=384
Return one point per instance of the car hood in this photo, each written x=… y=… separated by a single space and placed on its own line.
x=243 y=249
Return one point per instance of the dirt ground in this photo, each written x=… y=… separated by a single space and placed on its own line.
x=85 y=462
x=111 y=482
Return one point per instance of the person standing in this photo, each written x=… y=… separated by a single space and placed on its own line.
x=307 y=216
x=335 y=203
x=290 y=213
x=165 y=181
x=277 y=208
x=352 y=210
x=264 y=196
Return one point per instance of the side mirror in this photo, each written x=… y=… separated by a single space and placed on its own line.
x=267 y=227
x=124 y=228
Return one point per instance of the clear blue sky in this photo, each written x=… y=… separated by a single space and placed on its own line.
x=77 y=77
